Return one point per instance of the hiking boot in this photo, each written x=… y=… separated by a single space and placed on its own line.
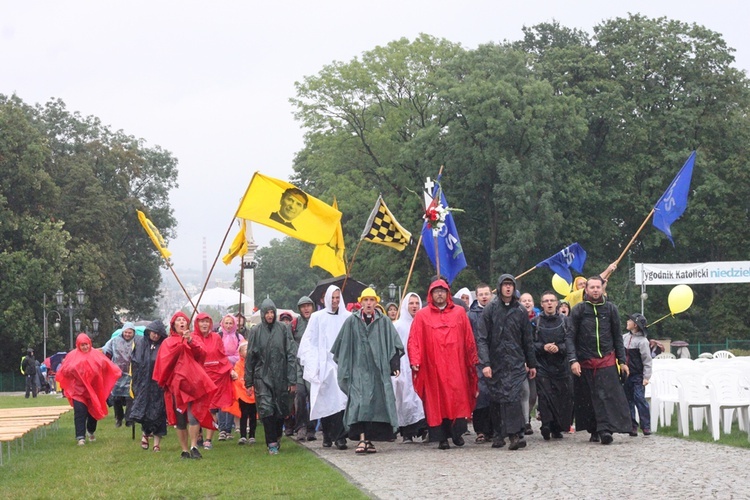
x=242 y=440
x=594 y=437
x=633 y=432
x=557 y=435
x=515 y=442
x=222 y=436
x=528 y=430
x=195 y=453
x=606 y=437
x=185 y=455
x=341 y=444
x=444 y=445
x=498 y=442
x=646 y=432
x=545 y=433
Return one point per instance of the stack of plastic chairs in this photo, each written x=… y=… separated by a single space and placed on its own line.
x=692 y=396
x=728 y=391
x=663 y=395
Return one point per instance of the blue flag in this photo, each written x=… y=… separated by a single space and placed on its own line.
x=452 y=259
x=673 y=202
x=572 y=256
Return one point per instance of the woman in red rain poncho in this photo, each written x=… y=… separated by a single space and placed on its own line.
x=188 y=390
x=87 y=376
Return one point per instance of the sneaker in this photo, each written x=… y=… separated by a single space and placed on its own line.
x=92 y=438
x=229 y=436
x=407 y=440
x=528 y=430
x=301 y=434
x=251 y=441
x=207 y=445
x=195 y=453
x=222 y=436
x=185 y=455
x=557 y=435
x=594 y=437
x=81 y=442
x=311 y=437
x=545 y=433
x=444 y=445
x=633 y=432
x=242 y=440
x=606 y=437
x=459 y=441
x=646 y=432
x=118 y=423
x=273 y=449
x=327 y=443
x=341 y=444
x=498 y=442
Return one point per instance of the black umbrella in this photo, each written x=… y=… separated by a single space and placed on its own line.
x=351 y=292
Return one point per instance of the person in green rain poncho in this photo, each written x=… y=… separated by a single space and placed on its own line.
x=270 y=368
x=368 y=352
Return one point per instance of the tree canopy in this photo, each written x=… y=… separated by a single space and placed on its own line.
x=68 y=198
x=561 y=136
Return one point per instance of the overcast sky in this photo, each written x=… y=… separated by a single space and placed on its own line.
x=211 y=81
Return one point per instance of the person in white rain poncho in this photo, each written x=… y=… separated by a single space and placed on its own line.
x=411 y=419
x=327 y=402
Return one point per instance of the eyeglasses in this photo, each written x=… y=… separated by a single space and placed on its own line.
x=549 y=300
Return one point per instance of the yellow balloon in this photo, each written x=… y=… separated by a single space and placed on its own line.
x=680 y=299
x=560 y=285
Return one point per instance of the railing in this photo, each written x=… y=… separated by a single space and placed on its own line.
x=728 y=345
x=12 y=382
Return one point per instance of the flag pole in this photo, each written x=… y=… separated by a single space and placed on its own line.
x=208 y=276
x=169 y=264
x=525 y=272
x=411 y=269
x=434 y=235
x=632 y=240
x=351 y=263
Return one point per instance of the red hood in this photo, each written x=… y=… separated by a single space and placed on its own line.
x=439 y=284
x=178 y=314
x=82 y=338
x=196 y=329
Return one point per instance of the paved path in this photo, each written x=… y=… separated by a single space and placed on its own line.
x=642 y=467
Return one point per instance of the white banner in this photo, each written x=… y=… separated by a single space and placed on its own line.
x=699 y=273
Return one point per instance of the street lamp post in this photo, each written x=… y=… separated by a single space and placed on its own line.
x=46 y=323
x=80 y=297
x=392 y=291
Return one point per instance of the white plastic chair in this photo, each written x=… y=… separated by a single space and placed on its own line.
x=726 y=393
x=663 y=396
x=723 y=355
x=705 y=355
x=692 y=395
x=665 y=355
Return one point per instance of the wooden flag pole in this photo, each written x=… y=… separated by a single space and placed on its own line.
x=525 y=272
x=195 y=306
x=349 y=267
x=411 y=269
x=632 y=240
x=180 y=283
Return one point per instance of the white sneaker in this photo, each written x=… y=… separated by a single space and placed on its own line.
x=251 y=441
x=81 y=442
x=92 y=438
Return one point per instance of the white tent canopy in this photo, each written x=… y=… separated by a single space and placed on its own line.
x=219 y=297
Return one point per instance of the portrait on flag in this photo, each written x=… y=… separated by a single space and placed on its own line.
x=286 y=208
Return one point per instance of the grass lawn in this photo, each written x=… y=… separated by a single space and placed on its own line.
x=737 y=438
x=116 y=467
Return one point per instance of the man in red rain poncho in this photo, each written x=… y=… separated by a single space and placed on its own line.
x=188 y=390
x=87 y=376
x=443 y=357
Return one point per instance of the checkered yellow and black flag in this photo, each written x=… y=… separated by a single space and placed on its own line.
x=383 y=228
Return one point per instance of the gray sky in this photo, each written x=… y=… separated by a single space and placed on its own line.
x=210 y=81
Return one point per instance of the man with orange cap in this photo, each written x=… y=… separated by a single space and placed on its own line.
x=368 y=351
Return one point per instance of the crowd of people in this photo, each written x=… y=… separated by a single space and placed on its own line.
x=367 y=374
